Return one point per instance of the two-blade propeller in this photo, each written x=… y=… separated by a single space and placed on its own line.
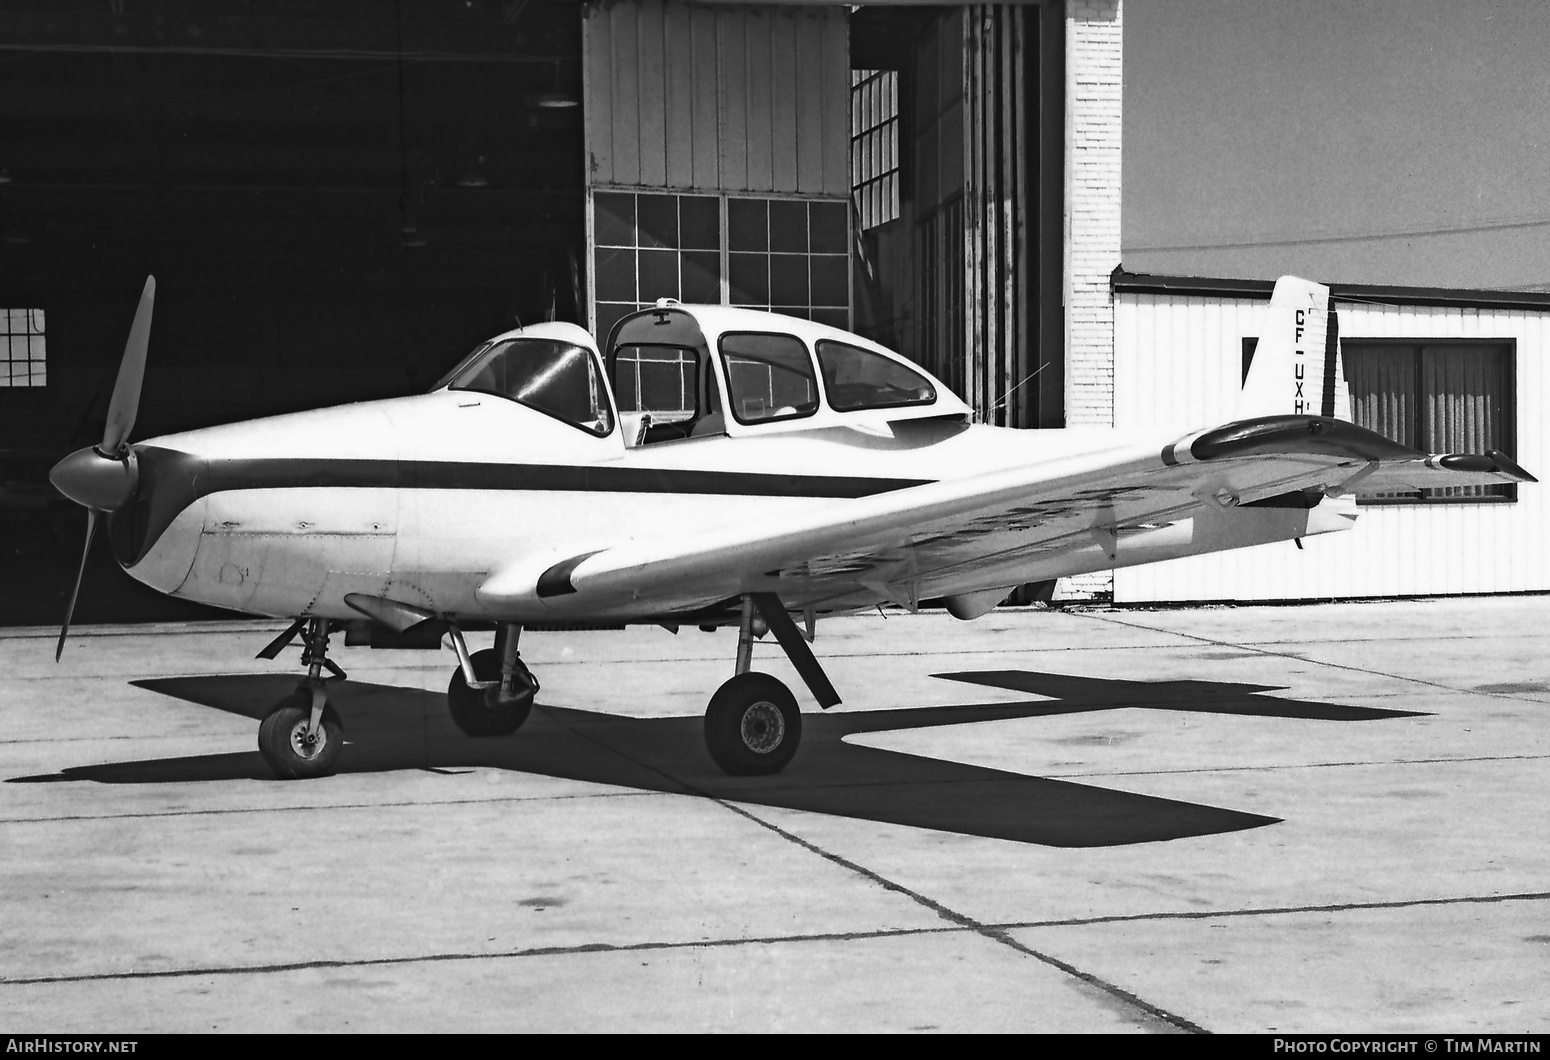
x=103 y=478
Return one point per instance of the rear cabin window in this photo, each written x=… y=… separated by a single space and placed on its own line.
x=769 y=377
x=858 y=379
x=559 y=379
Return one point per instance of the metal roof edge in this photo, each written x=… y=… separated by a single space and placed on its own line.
x=1219 y=287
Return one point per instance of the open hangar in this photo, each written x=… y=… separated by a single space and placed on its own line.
x=355 y=195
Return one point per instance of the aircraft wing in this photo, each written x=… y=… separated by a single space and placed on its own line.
x=999 y=529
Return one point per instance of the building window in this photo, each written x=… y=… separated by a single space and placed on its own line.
x=874 y=145
x=790 y=256
x=782 y=254
x=22 y=359
x=1442 y=396
x=650 y=246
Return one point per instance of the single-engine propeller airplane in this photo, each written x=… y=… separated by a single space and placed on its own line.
x=711 y=466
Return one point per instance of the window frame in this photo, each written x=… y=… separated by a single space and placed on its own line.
x=1506 y=349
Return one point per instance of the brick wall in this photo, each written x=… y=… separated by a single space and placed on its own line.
x=1094 y=79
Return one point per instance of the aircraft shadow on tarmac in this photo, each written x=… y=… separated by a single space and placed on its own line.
x=392 y=728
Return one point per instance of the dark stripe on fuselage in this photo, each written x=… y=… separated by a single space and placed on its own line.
x=563 y=478
x=171 y=481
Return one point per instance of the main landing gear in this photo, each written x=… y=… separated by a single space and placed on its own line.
x=301 y=735
x=753 y=726
x=491 y=692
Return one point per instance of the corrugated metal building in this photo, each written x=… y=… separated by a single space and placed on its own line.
x=1444 y=371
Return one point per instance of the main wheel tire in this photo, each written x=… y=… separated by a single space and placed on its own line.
x=291 y=750
x=752 y=726
x=477 y=711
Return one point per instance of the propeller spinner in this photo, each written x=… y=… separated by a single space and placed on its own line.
x=104 y=478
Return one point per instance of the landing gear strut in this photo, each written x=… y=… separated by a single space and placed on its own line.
x=753 y=726
x=301 y=736
x=491 y=692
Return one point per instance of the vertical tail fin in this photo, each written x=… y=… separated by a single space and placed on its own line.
x=1296 y=370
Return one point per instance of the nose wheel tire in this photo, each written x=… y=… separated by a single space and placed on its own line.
x=290 y=746
x=752 y=726
x=480 y=711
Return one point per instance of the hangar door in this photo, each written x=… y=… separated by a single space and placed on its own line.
x=718 y=158
x=337 y=200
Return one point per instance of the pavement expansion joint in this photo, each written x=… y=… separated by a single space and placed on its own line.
x=1273 y=767
x=1214 y=642
x=328 y=806
x=1338 y=907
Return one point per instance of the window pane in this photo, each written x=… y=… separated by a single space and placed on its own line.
x=863 y=379
x=748 y=222
x=831 y=281
x=613 y=219
x=1463 y=389
x=788 y=279
x=770 y=377
x=1382 y=384
x=702 y=276
x=830 y=224
x=749 y=278
x=609 y=314
x=658 y=274
x=700 y=222
x=1436 y=397
x=1381 y=379
x=615 y=275
x=556 y=378
x=788 y=226
x=658 y=220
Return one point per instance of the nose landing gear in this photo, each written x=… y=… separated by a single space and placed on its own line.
x=301 y=737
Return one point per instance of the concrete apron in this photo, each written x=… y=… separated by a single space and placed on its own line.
x=1320 y=818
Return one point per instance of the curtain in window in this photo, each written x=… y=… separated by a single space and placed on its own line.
x=1382 y=383
x=1462 y=390
x=1438 y=397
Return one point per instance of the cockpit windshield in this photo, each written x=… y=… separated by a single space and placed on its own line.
x=557 y=378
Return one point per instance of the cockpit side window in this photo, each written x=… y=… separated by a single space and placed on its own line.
x=769 y=377
x=557 y=378
x=856 y=379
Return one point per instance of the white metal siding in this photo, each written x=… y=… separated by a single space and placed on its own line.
x=718 y=98
x=1178 y=364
